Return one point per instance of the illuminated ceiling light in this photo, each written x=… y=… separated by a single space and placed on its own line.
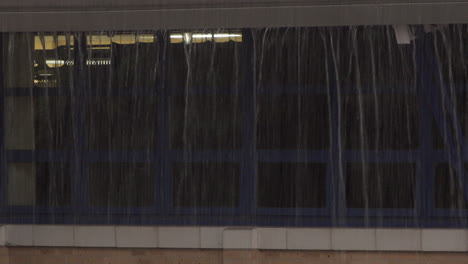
x=55 y=63
x=208 y=36
x=187 y=38
x=223 y=35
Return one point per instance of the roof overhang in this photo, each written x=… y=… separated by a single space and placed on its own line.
x=64 y=15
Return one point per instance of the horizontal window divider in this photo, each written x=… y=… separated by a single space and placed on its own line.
x=38 y=156
x=120 y=156
x=321 y=156
x=410 y=212
x=384 y=156
x=120 y=211
x=37 y=91
x=205 y=156
x=205 y=211
x=326 y=211
x=440 y=212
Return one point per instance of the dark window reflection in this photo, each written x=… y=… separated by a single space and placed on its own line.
x=293 y=57
x=452 y=53
x=292 y=122
x=121 y=184
x=385 y=121
x=291 y=185
x=126 y=63
x=371 y=57
x=198 y=61
x=448 y=194
x=380 y=185
x=52 y=122
x=205 y=122
x=42 y=123
x=205 y=184
x=121 y=122
x=53 y=184
x=54 y=58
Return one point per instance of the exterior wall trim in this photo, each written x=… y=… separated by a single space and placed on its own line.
x=235 y=238
x=25 y=20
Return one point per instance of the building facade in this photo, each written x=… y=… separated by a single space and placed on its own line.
x=229 y=132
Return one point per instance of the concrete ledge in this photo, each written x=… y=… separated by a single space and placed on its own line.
x=236 y=238
x=376 y=13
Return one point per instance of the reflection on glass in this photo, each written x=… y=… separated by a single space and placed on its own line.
x=40 y=122
x=39 y=184
x=380 y=185
x=291 y=185
x=53 y=60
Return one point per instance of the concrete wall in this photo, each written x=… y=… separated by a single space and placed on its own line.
x=84 y=15
x=31 y=255
x=236 y=238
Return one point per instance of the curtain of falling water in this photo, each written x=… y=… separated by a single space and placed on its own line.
x=123 y=124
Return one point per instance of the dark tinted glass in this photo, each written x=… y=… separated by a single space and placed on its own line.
x=122 y=62
x=54 y=58
x=291 y=185
x=205 y=122
x=53 y=184
x=292 y=122
x=121 y=184
x=205 y=63
x=448 y=193
x=52 y=122
x=121 y=122
x=290 y=57
x=384 y=121
x=370 y=58
x=205 y=184
x=452 y=53
x=380 y=185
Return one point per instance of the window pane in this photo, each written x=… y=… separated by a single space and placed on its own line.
x=205 y=60
x=42 y=122
x=205 y=184
x=292 y=122
x=121 y=184
x=448 y=193
x=205 y=122
x=384 y=121
x=121 y=122
x=54 y=58
x=40 y=184
x=370 y=58
x=380 y=185
x=291 y=185
x=122 y=62
x=290 y=57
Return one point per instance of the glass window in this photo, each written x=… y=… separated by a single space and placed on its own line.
x=205 y=122
x=121 y=185
x=380 y=185
x=448 y=193
x=292 y=121
x=208 y=59
x=290 y=57
x=39 y=184
x=54 y=58
x=205 y=184
x=122 y=122
x=383 y=121
x=38 y=122
x=291 y=185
